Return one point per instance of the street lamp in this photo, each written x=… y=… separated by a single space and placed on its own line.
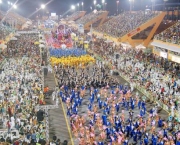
x=165 y=1
x=43 y=6
x=153 y=3
x=78 y=6
x=105 y=6
x=82 y=4
x=95 y=4
x=0 y=3
x=117 y=2
x=131 y=4
x=103 y=1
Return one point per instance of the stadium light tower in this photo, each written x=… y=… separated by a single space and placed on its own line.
x=103 y=1
x=82 y=4
x=95 y=4
x=105 y=6
x=43 y=6
x=78 y=6
x=131 y=4
x=0 y=4
x=117 y=3
x=153 y=4
x=165 y=1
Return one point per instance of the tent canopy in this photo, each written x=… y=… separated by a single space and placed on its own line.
x=126 y=45
x=41 y=41
x=13 y=38
x=140 y=47
x=41 y=45
x=86 y=41
x=3 y=46
x=108 y=41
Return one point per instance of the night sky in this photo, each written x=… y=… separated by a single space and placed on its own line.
x=27 y=7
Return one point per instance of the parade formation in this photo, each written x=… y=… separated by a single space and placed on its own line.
x=76 y=77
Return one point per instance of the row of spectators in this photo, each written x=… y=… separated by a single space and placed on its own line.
x=21 y=82
x=23 y=46
x=125 y=22
x=74 y=16
x=171 y=34
x=4 y=31
x=89 y=17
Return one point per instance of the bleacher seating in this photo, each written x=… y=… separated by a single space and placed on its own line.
x=170 y=35
x=4 y=31
x=74 y=16
x=89 y=17
x=125 y=22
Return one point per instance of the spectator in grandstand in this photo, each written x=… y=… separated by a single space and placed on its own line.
x=21 y=91
x=171 y=34
x=5 y=31
x=125 y=22
x=89 y=17
x=152 y=76
x=74 y=16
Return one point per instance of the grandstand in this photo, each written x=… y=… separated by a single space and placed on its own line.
x=166 y=43
x=170 y=35
x=75 y=16
x=13 y=19
x=92 y=18
x=4 y=31
x=124 y=26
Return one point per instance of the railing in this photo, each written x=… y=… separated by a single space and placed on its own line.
x=147 y=94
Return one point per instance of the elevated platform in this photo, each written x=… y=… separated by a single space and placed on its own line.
x=92 y=18
x=75 y=16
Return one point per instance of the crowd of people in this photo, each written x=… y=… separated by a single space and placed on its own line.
x=171 y=34
x=74 y=16
x=104 y=111
x=5 y=31
x=23 y=46
x=21 y=91
x=150 y=72
x=125 y=22
x=89 y=17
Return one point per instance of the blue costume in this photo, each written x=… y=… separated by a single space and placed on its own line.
x=100 y=143
x=139 y=104
x=117 y=107
x=100 y=104
x=146 y=141
x=104 y=118
x=160 y=123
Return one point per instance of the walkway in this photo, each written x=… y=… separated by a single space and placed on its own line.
x=57 y=121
